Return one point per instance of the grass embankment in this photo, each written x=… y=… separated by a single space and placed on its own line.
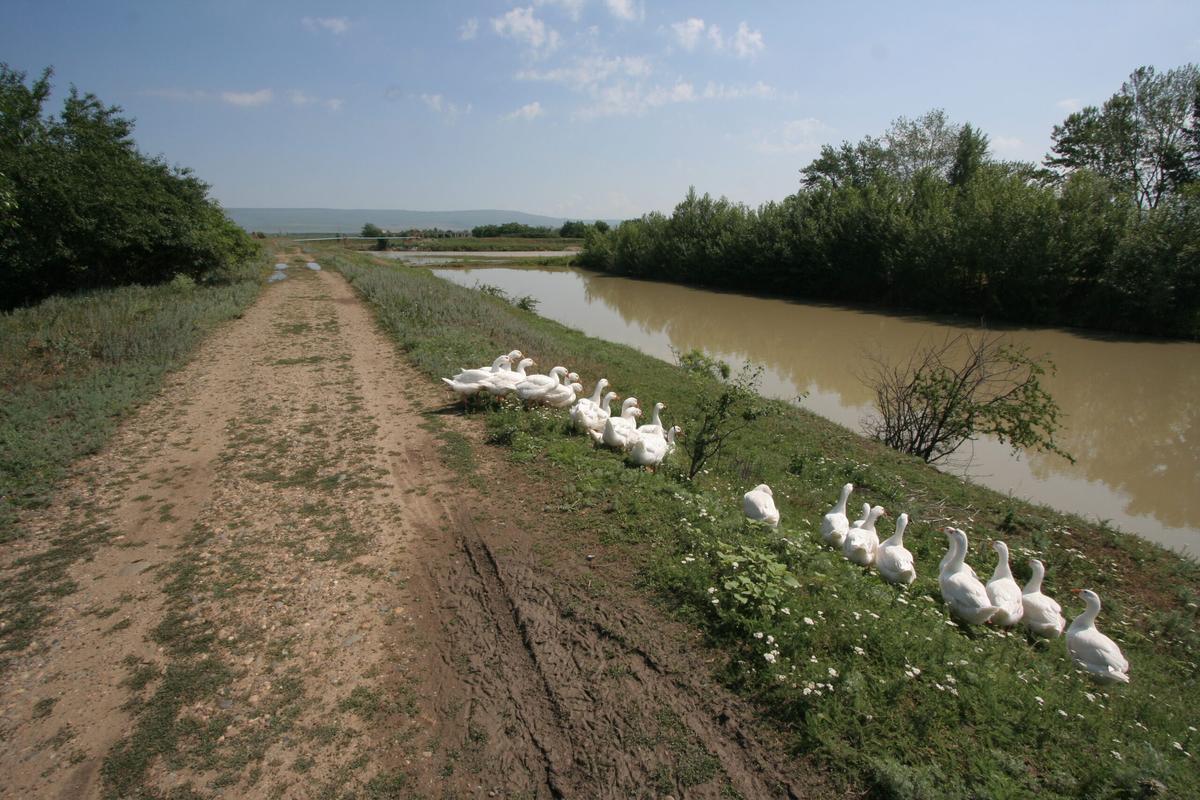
x=492 y=244
x=877 y=681
x=70 y=368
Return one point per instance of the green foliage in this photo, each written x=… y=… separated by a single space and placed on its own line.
x=923 y=217
x=371 y=230
x=513 y=229
x=83 y=209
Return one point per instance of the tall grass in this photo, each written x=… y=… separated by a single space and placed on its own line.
x=878 y=681
x=72 y=366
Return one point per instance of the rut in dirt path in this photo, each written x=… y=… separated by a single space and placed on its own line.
x=293 y=596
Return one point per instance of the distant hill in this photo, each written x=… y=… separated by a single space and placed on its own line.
x=351 y=220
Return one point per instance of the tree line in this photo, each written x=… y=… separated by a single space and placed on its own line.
x=82 y=208
x=1104 y=234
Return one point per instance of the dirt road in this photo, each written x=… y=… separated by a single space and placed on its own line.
x=289 y=585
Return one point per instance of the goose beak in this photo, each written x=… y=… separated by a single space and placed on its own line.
x=1076 y=591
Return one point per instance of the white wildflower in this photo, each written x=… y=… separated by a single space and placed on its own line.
x=809 y=621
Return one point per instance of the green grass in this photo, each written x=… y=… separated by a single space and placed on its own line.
x=875 y=681
x=496 y=244
x=71 y=367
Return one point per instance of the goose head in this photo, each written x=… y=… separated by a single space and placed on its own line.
x=608 y=398
x=629 y=406
x=525 y=364
x=558 y=372
x=762 y=487
x=515 y=355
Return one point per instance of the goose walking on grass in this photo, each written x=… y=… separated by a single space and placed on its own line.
x=620 y=433
x=1092 y=650
x=469 y=382
x=1043 y=615
x=862 y=542
x=963 y=592
x=893 y=560
x=858 y=523
x=590 y=418
x=586 y=402
x=502 y=383
x=835 y=525
x=758 y=504
x=1003 y=591
x=535 y=387
x=562 y=396
x=654 y=426
x=651 y=449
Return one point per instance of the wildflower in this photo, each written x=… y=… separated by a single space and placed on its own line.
x=770 y=639
x=1177 y=745
x=771 y=656
x=716 y=601
x=1091 y=697
x=735 y=565
x=1117 y=755
x=712 y=590
x=1040 y=701
x=809 y=621
x=1062 y=713
x=786 y=610
x=758 y=634
x=872 y=615
x=856 y=615
x=901 y=600
x=859 y=651
x=833 y=673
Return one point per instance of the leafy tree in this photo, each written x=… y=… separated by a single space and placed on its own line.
x=970 y=153
x=372 y=230
x=573 y=230
x=601 y=226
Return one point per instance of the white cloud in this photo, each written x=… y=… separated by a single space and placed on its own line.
x=1070 y=104
x=757 y=91
x=522 y=26
x=299 y=98
x=620 y=100
x=248 y=99
x=628 y=10
x=185 y=95
x=334 y=104
x=714 y=36
x=688 y=32
x=443 y=107
x=747 y=43
x=1007 y=145
x=796 y=136
x=590 y=70
x=335 y=25
x=528 y=111
x=572 y=8
x=469 y=30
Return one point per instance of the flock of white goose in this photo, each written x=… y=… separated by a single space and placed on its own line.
x=645 y=445
x=1000 y=601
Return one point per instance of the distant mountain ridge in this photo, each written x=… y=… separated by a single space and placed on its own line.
x=351 y=220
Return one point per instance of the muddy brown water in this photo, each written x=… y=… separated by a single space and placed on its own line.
x=1130 y=406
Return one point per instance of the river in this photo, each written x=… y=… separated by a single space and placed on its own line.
x=1130 y=406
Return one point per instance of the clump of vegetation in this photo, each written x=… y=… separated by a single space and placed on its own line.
x=1103 y=234
x=82 y=208
x=952 y=392
x=526 y=302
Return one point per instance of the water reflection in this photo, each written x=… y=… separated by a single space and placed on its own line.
x=1129 y=412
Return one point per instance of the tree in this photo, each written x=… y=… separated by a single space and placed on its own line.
x=600 y=225
x=1140 y=138
x=372 y=230
x=951 y=393
x=970 y=153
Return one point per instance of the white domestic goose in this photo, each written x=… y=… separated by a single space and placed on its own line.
x=963 y=592
x=583 y=402
x=835 y=525
x=592 y=419
x=862 y=542
x=469 y=382
x=893 y=560
x=655 y=425
x=758 y=504
x=620 y=433
x=651 y=449
x=562 y=396
x=502 y=383
x=535 y=387
x=1091 y=649
x=1003 y=591
x=1043 y=614
x=858 y=523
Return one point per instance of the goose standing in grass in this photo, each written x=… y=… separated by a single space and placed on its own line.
x=621 y=432
x=862 y=542
x=836 y=524
x=966 y=596
x=1043 y=615
x=758 y=504
x=1091 y=649
x=1003 y=591
x=502 y=383
x=590 y=417
x=585 y=402
x=562 y=396
x=535 y=387
x=858 y=523
x=893 y=560
x=654 y=426
x=651 y=449
x=469 y=382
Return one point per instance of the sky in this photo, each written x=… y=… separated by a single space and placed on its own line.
x=571 y=108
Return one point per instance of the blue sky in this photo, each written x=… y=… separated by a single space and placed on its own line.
x=580 y=108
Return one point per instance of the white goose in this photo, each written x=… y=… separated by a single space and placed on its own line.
x=651 y=449
x=963 y=592
x=503 y=383
x=583 y=402
x=858 y=523
x=469 y=382
x=654 y=426
x=535 y=387
x=591 y=420
x=836 y=524
x=893 y=560
x=562 y=396
x=1003 y=591
x=862 y=542
x=621 y=432
x=758 y=505
x=1043 y=615
x=1091 y=649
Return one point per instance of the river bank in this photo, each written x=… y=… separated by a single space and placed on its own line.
x=841 y=680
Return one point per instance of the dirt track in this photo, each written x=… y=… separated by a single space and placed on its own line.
x=297 y=597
